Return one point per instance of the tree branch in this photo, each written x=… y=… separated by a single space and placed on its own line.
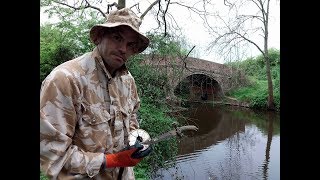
x=87 y=5
x=192 y=8
x=138 y=8
x=149 y=8
x=184 y=59
x=110 y=6
x=164 y=18
x=250 y=41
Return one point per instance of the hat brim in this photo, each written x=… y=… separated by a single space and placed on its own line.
x=94 y=32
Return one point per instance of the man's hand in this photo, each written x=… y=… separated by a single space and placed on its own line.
x=129 y=156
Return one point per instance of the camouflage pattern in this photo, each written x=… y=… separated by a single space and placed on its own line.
x=124 y=17
x=84 y=113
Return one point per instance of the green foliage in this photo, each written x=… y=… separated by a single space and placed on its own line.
x=255 y=66
x=150 y=83
x=166 y=45
x=183 y=91
x=156 y=122
x=276 y=85
x=151 y=86
x=259 y=95
x=274 y=58
x=76 y=30
x=42 y=176
x=257 y=92
x=53 y=49
x=63 y=41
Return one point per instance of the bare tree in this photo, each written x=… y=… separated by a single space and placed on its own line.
x=239 y=30
x=160 y=9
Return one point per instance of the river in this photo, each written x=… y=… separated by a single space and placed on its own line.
x=232 y=143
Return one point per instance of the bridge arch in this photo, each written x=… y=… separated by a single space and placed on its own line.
x=198 y=86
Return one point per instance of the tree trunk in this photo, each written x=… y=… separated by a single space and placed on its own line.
x=121 y=4
x=270 y=105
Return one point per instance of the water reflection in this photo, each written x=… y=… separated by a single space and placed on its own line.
x=269 y=140
x=232 y=143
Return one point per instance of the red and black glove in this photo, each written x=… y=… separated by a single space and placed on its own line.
x=129 y=156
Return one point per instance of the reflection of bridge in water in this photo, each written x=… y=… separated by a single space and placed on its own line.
x=221 y=127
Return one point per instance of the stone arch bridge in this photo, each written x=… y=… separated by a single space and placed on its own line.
x=200 y=79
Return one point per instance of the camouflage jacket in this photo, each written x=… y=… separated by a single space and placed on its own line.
x=84 y=114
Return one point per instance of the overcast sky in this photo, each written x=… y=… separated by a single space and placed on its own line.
x=196 y=34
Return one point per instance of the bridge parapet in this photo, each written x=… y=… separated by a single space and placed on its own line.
x=179 y=69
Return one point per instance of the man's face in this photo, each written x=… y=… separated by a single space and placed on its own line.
x=117 y=45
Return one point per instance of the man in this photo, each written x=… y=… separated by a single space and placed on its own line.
x=88 y=106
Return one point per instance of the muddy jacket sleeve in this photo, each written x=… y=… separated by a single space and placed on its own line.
x=59 y=101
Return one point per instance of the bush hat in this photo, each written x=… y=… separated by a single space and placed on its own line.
x=126 y=17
